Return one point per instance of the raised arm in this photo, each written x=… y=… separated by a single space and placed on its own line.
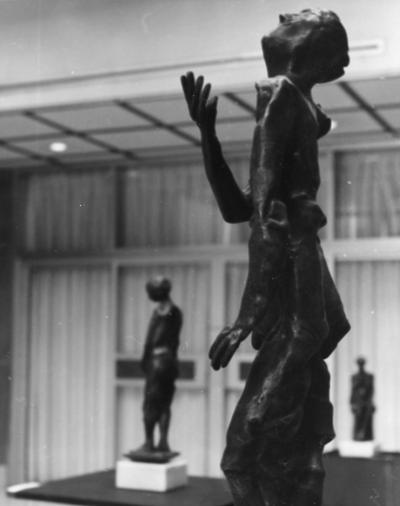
x=234 y=204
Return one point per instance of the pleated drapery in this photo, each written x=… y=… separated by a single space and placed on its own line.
x=163 y=206
x=69 y=373
x=367 y=194
x=371 y=296
x=67 y=212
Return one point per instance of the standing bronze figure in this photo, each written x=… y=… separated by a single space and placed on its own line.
x=160 y=366
x=290 y=304
x=361 y=400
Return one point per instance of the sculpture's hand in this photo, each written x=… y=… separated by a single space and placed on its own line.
x=224 y=346
x=202 y=110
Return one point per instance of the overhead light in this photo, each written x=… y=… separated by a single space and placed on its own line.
x=367 y=47
x=58 y=147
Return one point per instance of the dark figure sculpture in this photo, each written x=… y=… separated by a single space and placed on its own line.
x=362 y=391
x=160 y=365
x=290 y=304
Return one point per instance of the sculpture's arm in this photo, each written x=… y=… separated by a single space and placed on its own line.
x=354 y=398
x=176 y=329
x=146 y=353
x=234 y=204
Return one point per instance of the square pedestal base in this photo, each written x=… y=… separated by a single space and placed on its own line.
x=362 y=449
x=149 y=476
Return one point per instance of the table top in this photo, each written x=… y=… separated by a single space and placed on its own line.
x=98 y=489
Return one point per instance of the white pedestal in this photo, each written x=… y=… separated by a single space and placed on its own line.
x=362 y=449
x=149 y=476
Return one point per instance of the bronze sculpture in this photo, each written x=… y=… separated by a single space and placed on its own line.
x=290 y=304
x=160 y=366
x=361 y=400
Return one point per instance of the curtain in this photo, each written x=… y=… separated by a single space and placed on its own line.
x=162 y=206
x=69 y=373
x=371 y=296
x=66 y=212
x=368 y=194
x=190 y=292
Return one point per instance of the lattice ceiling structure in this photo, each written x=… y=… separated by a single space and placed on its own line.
x=142 y=131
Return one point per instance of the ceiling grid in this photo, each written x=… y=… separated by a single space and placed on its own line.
x=138 y=132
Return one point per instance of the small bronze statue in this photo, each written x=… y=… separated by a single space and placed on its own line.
x=290 y=303
x=361 y=400
x=160 y=365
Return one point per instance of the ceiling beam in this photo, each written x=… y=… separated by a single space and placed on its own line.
x=69 y=132
x=27 y=153
x=241 y=103
x=368 y=108
x=127 y=106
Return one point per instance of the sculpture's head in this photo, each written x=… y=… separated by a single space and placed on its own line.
x=311 y=42
x=158 y=288
x=361 y=362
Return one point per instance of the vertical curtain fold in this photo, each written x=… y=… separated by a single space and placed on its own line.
x=67 y=212
x=368 y=194
x=371 y=295
x=69 y=372
x=176 y=205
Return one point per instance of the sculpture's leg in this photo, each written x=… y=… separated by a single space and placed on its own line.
x=316 y=431
x=310 y=486
x=250 y=485
x=245 y=490
x=150 y=412
x=149 y=426
x=164 y=427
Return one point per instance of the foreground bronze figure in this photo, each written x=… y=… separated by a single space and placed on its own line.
x=361 y=400
x=290 y=304
x=160 y=365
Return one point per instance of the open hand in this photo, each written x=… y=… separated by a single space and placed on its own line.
x=202 y=110
x=224 y=346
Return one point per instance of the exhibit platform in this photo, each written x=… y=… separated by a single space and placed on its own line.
x=151 y=476
x=349 y=482
x=360 y=449
x=98 y=489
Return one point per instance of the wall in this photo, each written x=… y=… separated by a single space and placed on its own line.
x=46 y=40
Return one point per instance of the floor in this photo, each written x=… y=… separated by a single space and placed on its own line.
x=9 y=501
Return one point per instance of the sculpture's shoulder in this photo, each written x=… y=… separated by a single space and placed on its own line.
x=275 y=90
x=365 y=378
x=176 y=310
x=176 y=314
x=370 y=377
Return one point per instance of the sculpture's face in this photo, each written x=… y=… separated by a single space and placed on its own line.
x=157 y=292
x=361 y=362
x=311 y=45
x=335 y=57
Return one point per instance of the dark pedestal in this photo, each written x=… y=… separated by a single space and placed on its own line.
x=98 y=489
x=349 y=482
x=362 y=482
